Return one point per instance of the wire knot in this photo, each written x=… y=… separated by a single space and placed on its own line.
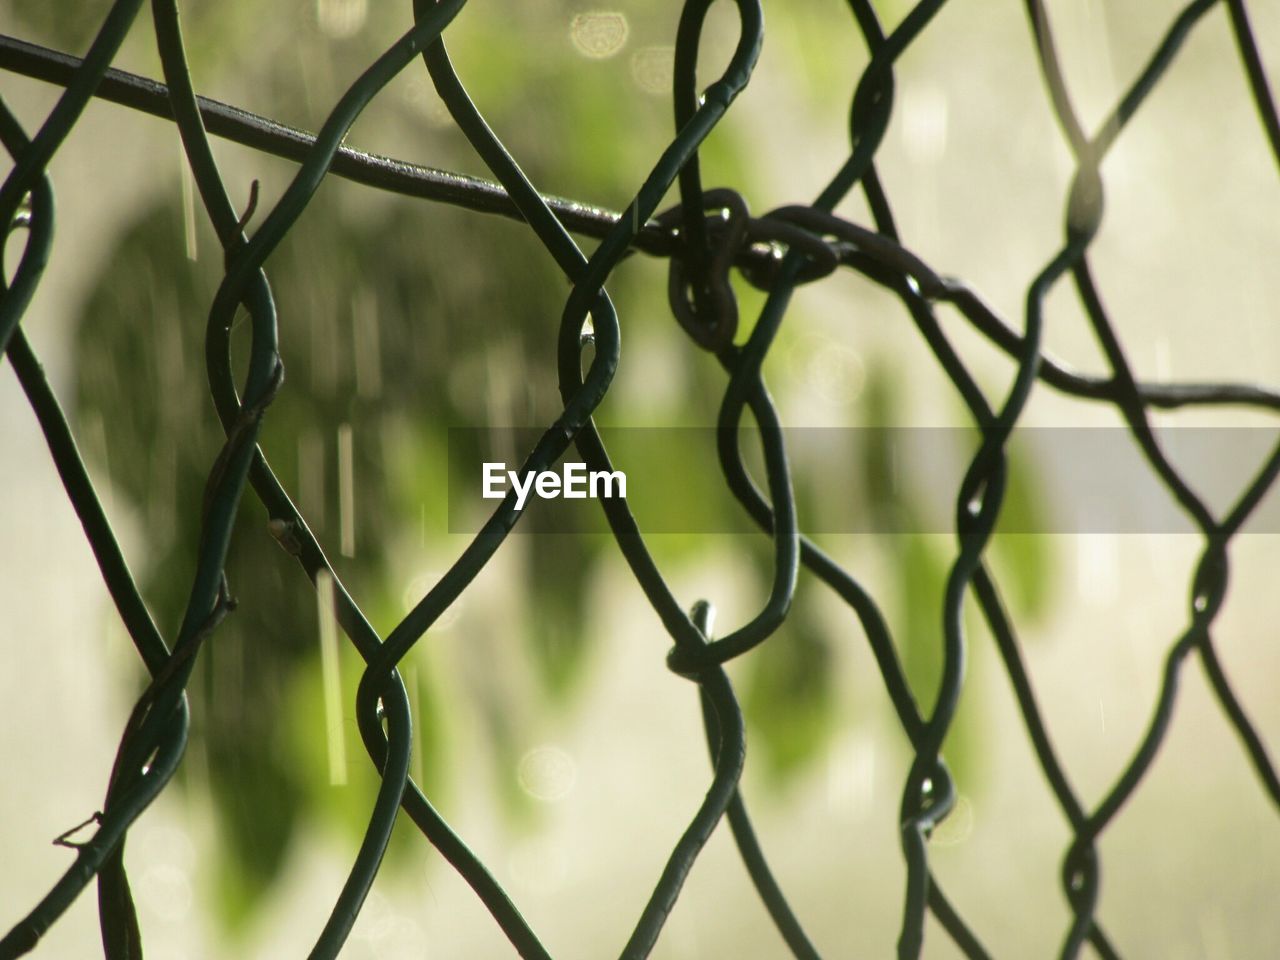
x=930 y=795
x=698 y=287
x=689 y=658
x=1080 y=875
x=796 y=230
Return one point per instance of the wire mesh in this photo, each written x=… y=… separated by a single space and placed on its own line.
x=709 y=234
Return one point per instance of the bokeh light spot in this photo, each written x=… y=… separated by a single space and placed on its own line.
x=547 y=773
x=652 y=69
x=600 y=34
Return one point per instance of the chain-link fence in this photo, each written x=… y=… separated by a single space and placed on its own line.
x=706 y=237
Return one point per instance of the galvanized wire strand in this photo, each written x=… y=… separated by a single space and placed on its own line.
x=127 y=795
x=1001 y=628
x=561 y=247
x=929 y=792
x=589 y=277
x=735 y=474
x=748 y=494
x=718 y=701
x=84 y=499
x=985 y=321
x=1081 y=871
x=152 y=744
x=571 y=261
x=753 y=858
x=934 y=804
x=278 y=139
x=763 y=332
x=472 y=193
x=745 y=377
x=297 y=539
x=244 y=263
x=120 y=927
x=29 y=166
x=304 y=546
x=730 y=758
x=37 y=224
x=1256 y=75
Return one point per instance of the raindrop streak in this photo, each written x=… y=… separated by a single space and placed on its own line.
x=346 y=491
x=341 y=19
x=851 y=778
x=367 y=339
x=188 y=204
x=311 y=476
x=330 y=679
x=924 y=128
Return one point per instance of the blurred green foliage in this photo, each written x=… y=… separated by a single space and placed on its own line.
x=398 y=320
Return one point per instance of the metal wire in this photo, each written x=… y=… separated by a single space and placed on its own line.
x=709 y=233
